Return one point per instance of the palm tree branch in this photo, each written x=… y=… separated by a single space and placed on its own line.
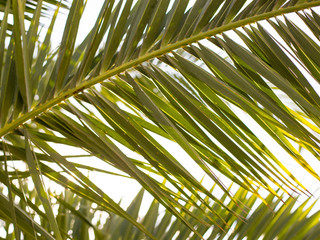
x=7 y=128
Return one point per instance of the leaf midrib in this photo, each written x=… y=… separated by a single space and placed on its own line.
x=112 y=72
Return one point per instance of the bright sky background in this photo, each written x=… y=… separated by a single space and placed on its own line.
x=126 y=189
x=118 y=187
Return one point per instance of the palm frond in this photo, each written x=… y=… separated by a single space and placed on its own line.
x=32 y=10
x=149 y=69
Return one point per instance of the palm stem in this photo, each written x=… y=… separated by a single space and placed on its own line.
x=112 y=72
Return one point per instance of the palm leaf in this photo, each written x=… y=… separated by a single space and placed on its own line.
x=32 y=10
x=180 y=74
x=31 y=5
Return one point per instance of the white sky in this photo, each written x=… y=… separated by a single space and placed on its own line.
x=118 y=187
x=126 y=189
